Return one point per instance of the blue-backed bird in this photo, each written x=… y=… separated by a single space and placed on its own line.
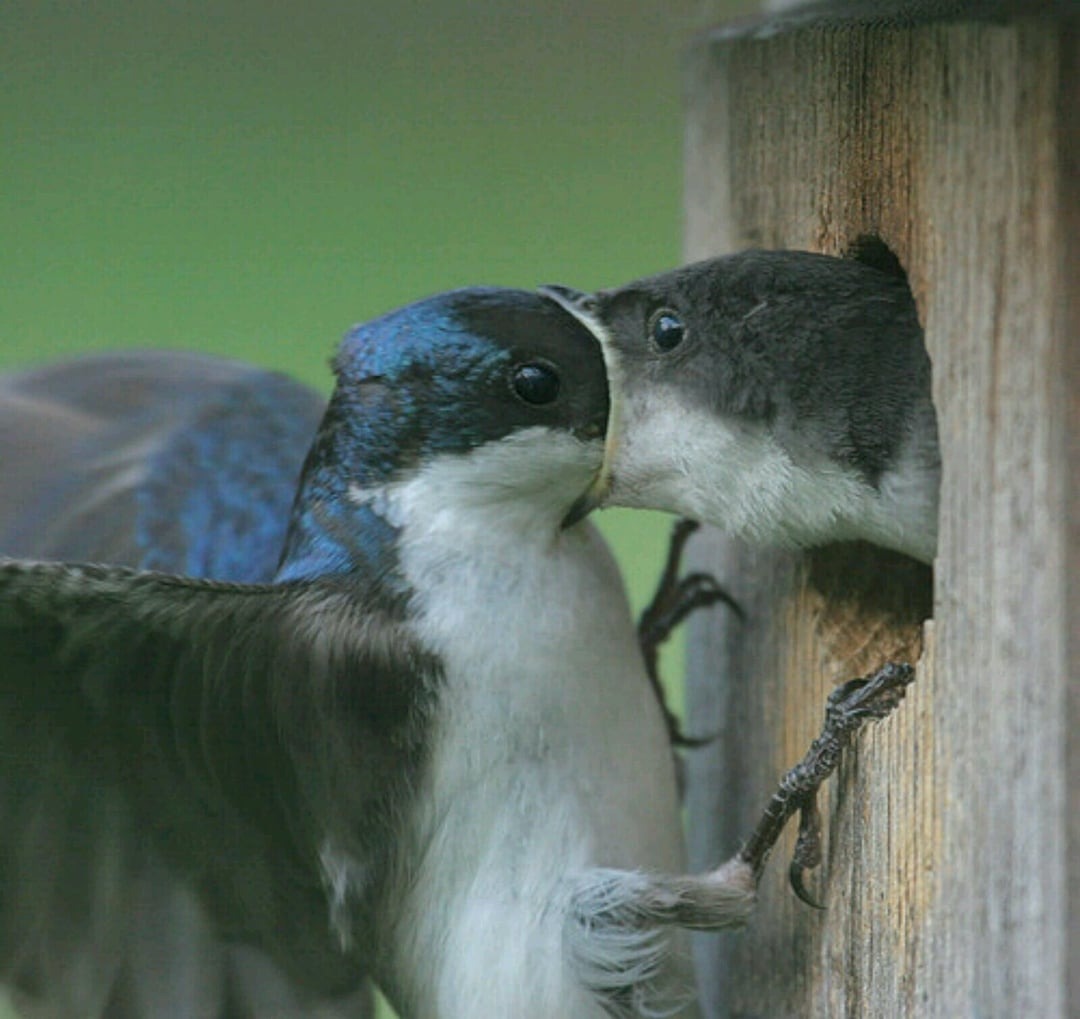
x=163 y=460
x=783 y=396
x=406 y=755
x=427 y=750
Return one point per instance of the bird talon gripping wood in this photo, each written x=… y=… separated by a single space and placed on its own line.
x=848 y=708
x=807 y=853
x=616 y=915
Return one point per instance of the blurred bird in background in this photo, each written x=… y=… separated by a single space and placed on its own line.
x=182 y=463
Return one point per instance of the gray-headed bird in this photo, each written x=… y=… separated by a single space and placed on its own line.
x=783 y=396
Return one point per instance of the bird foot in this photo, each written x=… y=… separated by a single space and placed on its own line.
x=848 y=707
x=676 y=598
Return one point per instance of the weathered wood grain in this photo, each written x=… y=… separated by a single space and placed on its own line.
x=952 y=876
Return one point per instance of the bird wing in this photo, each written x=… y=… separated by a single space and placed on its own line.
x=240 y=730
x=159 y=459
x=186 y=463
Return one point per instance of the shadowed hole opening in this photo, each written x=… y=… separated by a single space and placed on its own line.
x=871 y=250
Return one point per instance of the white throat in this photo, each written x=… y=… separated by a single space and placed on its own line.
x=738 y=477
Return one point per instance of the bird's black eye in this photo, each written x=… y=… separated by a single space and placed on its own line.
x=535 y=383
x=666 y=329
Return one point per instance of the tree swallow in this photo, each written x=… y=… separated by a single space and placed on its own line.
x=428 y=749
x=783 y=396
x=162 y=460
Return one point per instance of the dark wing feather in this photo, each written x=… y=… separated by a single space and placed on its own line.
x=158 y=459
x=186 y=463
x=231 y=729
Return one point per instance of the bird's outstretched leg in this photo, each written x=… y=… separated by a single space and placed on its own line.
x=616 y=917
x=675 y=598
x=848 y=707
x=627 y=900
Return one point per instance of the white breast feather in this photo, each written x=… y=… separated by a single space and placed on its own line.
x=550 y=755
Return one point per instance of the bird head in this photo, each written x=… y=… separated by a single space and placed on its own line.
x=772 y=393
x=481 y=397
x=463 y=370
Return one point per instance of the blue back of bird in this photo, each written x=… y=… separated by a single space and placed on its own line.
x=161 y=460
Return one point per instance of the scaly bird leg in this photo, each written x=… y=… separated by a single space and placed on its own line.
x=675 y=598
x=610 y=905
x=849 y=706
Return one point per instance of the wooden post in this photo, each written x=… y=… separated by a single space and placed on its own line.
x=952 y=871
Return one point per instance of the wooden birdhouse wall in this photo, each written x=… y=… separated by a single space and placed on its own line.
x=946 y=135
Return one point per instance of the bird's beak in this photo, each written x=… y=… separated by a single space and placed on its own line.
x=584 y=307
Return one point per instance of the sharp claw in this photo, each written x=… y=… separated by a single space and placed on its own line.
x=808 y=843
x=807 y=854
x=795 y=879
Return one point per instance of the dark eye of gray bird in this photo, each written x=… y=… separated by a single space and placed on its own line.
x=666 y=329
x=536 y=383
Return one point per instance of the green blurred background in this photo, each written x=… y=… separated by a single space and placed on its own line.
x=252 y=178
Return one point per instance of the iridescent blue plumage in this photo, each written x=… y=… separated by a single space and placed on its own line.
x=162 y=460
x=393 y=371
x=390 y=373
x=216 y=500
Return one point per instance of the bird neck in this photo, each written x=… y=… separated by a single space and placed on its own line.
x=353 y=513
x=330 y=533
